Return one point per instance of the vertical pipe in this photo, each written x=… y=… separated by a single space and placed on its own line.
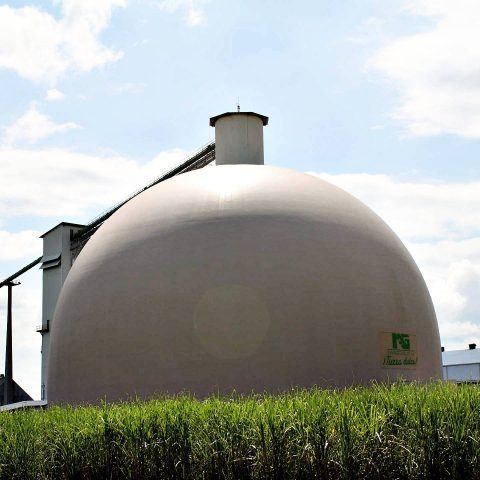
x=8 y=385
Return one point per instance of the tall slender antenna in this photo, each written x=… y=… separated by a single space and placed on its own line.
x=238 y=104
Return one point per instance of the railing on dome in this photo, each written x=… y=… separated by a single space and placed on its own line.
x=201 y=158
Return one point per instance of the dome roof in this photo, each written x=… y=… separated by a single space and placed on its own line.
x=245 y=278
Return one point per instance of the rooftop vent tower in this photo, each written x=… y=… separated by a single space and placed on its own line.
x=239 y=138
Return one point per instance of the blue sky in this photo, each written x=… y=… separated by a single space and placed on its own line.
x=380 y=97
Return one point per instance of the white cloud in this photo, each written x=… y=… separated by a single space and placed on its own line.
x=54 y=95
x=452 y=272
x=61 y=183
x=194 y=13
x=436 y=71
x=33 y=126
x=418 y=211
x=15 y=246
x=440 y=224
x=41 y=48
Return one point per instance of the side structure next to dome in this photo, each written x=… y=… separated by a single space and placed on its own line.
x=240 y=277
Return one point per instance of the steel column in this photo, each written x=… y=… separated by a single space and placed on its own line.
x=8 y=385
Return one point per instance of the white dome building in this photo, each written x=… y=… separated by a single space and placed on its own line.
x=240 y=277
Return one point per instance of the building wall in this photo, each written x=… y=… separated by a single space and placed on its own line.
x=56 y=263
x=461 y=365
x=462 y=373
x=239 y=140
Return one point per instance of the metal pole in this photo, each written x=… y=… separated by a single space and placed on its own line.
x=8 y=385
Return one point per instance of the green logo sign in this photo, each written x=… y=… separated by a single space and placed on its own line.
x=400 y=340
x=398 y=350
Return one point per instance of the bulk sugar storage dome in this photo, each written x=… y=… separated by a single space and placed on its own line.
x=240 y=277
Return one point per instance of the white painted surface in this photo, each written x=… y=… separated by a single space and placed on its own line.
x=237 y=277
x=461 y=365
x=463 y=373
x=239 y=140
x=56 y=245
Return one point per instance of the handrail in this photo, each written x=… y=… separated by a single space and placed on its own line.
x=22 y=270
x=191 y=161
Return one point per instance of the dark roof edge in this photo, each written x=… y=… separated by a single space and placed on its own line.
x=63 y=224
x=263 y=118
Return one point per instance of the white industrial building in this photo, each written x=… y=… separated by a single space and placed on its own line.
x=242 y=277
x=462 y=365
x=57 y=260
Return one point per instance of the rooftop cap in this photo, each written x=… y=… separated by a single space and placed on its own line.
x=263 y=118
